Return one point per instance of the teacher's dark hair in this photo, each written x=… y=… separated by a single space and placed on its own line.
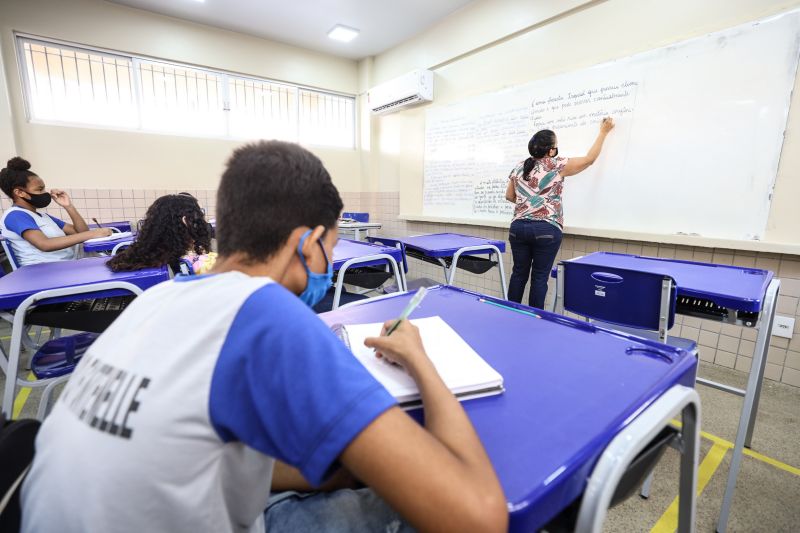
x=541 y=143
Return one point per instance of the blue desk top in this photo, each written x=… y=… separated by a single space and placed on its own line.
x=570 y=388
x=106 y=246
x=729 y=286
x=447 y=244
x=347 y=249
x=28 y=280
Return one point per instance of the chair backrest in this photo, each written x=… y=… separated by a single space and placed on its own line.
x=619 y=296
x=12 y=259
x=394 y=243
x=16 y=454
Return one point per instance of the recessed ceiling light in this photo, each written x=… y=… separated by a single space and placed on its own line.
x=343 y=33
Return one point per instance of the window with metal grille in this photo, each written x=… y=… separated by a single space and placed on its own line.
x=67 y=84
x=72 y=84
x=326 y=119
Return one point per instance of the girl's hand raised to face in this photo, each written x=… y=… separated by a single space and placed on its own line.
x=61 y=197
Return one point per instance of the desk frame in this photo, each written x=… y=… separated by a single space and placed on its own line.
x=627 y=444
x=399 y=276
x=751 y=394
x=11 y=366
x=356 y=230
x=450 y=273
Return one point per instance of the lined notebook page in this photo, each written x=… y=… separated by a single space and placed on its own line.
x=461 y=368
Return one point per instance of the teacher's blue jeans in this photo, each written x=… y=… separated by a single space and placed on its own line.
x=534 y=245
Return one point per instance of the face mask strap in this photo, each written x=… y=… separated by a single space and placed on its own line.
x=300 y=249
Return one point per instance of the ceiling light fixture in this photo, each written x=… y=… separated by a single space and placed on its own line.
x=343 y=33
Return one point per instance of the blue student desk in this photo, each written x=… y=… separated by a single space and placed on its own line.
x=119 y=225
x=446 y=248
x=106 y=246
x=571 y=388
x=729 y=294
x=357 y=229
x=351 y=254
x=62 y=281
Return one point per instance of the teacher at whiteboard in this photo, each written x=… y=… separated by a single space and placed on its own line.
x=535 y=187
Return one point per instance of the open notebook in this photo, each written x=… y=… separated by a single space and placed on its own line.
x=113 y=237
x=464 y=372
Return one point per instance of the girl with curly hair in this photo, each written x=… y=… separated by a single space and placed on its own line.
x=173 y=226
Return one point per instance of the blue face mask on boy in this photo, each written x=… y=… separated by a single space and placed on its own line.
x=318 y=284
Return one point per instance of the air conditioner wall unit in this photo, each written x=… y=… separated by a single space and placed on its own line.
x=412 y=88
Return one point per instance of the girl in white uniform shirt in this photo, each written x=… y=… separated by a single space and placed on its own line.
x=38 y=237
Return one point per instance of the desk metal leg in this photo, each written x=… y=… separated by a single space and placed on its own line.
x=747 y=420
x=503 y=286
x=558 y=301
x=766 y=321
x=398 y=277
x=630 y=442
x=450 y=274
x=687 y=504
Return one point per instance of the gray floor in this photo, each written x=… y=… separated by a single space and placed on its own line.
x=767 y=497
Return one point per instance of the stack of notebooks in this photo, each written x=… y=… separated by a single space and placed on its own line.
x=464 y=372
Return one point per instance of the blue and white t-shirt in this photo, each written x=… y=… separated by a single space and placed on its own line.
x=17 y=221
x=172 y=419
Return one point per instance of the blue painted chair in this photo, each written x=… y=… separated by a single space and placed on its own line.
x=356 y=216
x=639 y=303
x=631 y=301
x=12 y=258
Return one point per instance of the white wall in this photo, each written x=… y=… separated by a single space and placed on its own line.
x=583 y=36
x=7 y=144
x=93 y=158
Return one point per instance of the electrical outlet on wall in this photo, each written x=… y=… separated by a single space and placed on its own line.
x=783 y=326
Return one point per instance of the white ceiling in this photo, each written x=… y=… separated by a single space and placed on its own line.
x=305 y=23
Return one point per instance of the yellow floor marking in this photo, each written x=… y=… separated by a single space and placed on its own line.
x=22 y=397
x=669 y=520
x=747 y=451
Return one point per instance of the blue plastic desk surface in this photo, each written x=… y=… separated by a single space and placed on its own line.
x=347 y=249
x=28 y=280
x=729 y=286
x=570 y=388
x=106 y=246
x=447 y=244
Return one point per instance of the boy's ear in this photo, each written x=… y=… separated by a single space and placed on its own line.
x=310 y=243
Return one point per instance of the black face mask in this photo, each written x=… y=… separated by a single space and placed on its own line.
x=40 y=201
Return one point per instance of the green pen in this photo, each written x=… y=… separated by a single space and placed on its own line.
x=420 y=294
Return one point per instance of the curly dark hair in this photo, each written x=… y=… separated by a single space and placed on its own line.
x=164 y=237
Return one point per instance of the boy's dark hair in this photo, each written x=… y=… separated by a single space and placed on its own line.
x=269 y=189
x=164 y=237
x=15 y=175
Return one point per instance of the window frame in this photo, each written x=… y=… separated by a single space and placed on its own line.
x=21 y=38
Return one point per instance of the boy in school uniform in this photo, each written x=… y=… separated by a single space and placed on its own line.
x=38 y=237
x=178 y=421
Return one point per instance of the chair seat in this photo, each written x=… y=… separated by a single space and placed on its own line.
x=678 y=342
x=59 y=357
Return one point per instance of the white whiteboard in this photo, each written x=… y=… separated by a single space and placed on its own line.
x=700 y=127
